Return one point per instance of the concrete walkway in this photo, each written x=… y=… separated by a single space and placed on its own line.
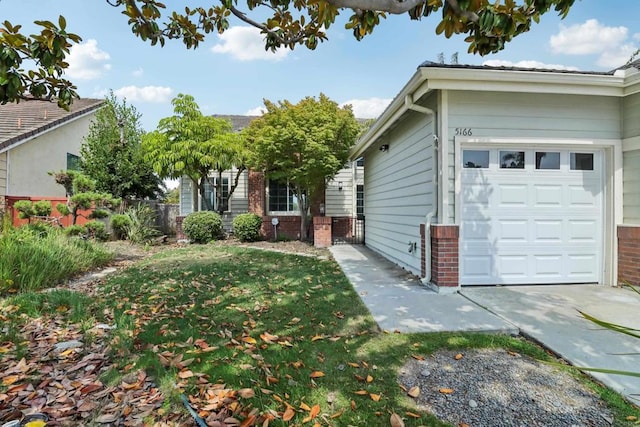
x=549 y=314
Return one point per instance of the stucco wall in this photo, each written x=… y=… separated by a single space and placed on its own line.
x=399 y=191
x=30 y=162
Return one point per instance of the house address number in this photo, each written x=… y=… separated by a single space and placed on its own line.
x=464 y=132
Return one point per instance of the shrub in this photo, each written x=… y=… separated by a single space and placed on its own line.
x=119 y=224
x=140 y=228
x=42 y=208
x=203 y=226
x=96 y=230
x=24 y=208
x=246 y=227
x=75 y=230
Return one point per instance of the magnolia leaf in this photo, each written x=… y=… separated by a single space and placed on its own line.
x=184 y=374
x=317 y=374
x=288 y=414
x=369 y=379
x=396 y=421
x=314 y=411
x=361 y=392
x=246 y=393
x=305 y=407
x=353 y=365
x=414 y=391
x=374 y=397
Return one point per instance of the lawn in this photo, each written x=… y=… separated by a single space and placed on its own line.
x=249 y=337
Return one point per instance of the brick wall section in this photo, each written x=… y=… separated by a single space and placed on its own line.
x=288 y=227
x=256 y=193
x=444 y=255
x=179 y=231
x=322 y=231
x=629 y=255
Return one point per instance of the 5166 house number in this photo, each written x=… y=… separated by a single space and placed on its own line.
x=464 y=132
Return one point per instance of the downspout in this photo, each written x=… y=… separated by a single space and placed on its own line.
x=408 y=102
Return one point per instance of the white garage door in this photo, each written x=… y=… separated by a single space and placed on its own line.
x=530 y=216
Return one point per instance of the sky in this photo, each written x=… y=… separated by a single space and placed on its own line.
x=232 y=74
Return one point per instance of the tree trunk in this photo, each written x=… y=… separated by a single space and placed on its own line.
x=219 y=194
x=194 y=195
x=303 y=204
x=206 y=204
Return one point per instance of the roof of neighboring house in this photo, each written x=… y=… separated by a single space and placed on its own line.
x=237 y=121
x=27 y=119
x=431 y=64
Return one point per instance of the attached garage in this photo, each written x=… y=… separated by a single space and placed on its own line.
x=531 y=216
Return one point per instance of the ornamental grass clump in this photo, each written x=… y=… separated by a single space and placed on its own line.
x=203 y=226
x=32 y=260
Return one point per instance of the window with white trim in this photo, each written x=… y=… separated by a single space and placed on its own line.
x=282 y=198
x=210 y=193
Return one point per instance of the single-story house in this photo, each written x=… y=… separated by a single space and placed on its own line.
x=37 y=137
x=504 y=176
x=342 y=203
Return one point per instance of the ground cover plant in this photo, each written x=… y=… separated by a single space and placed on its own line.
x=248 y=337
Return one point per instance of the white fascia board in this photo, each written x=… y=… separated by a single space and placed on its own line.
x=389 y=116
x=524 y=81
x=632 y=84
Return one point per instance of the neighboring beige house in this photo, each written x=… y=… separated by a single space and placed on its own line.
x=37 y=137
x=506 y=176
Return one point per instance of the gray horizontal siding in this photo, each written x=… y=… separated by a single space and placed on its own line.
x=631 y=187
x=631 y=116
x=399 y=191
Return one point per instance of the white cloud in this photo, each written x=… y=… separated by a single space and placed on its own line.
x=369 y=108
x=612 y=44
x=87 y=61
x=588 y=38
x=246 y=44
x=258 y=111
x=138 y=73
x=527 y=64
x=152 y=94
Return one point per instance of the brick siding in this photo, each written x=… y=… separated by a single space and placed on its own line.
x=322 y=226
x=629 y=255
x=444 y=255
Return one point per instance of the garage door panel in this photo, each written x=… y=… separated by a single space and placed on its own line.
x=512 y=195
x=547 y=195
x=531 y=226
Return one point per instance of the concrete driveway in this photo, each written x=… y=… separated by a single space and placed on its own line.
x=550 y=315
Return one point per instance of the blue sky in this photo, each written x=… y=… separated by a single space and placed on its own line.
x=231 y=74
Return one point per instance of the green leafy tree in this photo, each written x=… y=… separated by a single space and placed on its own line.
x=191 y=144
x=82 y=195
x=487 y=25
x=304 y=144
x=111 y=154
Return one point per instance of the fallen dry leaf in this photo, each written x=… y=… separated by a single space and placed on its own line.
x=305 y=407
x=413 y=415
x=246 y=393
x=458 y=356
x=361 y=392
x=418 y=357
x=445 y=390
x=396 y=421
x=414 y=391
x=369 y=379
x=353 y=365
x=374 y=397
x=317 y=374
x=288 y=414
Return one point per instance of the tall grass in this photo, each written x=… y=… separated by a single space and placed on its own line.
x=36 y=258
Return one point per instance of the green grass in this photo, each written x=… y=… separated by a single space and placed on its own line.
x=36 y=258
x=171 y=306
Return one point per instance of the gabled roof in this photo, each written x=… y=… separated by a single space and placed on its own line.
x=237 y=121
x=27 y=119
x=431 y=76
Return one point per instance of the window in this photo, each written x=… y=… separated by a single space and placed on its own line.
x=73 y=162
x=210 y=194
x=360 y=162
x=360 y=201
x=512 y=160
x=547 y=160
x=281 y=198
x=581 y=161
x=475 y=159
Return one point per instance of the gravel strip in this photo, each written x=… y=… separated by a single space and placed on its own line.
x=493 y=387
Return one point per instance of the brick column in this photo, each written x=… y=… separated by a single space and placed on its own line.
x=256 y=193
x=444 y=256
x=322 y=231
x=179 y=232
x=629 y=255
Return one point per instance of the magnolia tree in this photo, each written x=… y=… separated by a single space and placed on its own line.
x=303 y=145
x=487 y=25
x=191 y=144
